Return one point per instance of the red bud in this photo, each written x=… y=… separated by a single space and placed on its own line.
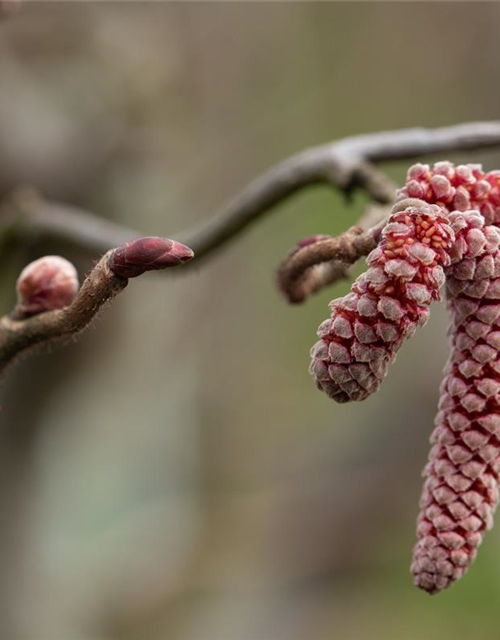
x=147 y=254
x=46 y=284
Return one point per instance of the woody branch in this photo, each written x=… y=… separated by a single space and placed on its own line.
x=345 y=164
x=51 y=308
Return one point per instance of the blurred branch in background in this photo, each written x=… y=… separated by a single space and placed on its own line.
x=345 y=164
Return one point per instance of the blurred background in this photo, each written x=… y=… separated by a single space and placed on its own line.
x=175 y=475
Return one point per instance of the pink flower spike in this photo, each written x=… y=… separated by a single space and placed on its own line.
x=368 y=326
x=147 y=254
x=460 y=494
x=46 y=284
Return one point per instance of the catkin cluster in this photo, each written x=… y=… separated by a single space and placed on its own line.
x=451 y=236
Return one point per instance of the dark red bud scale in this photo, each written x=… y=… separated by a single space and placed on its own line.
x=147 y=254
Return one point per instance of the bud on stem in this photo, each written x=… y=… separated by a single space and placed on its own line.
x=46 y=284
x=147 y=254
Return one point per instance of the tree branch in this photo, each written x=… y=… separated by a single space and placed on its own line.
x=21 y=331
x=344 y=164
x=25 y=216
x=316 y=265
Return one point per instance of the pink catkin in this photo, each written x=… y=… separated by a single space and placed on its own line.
x=456 y=188
x=460 y=493
x=385 y=306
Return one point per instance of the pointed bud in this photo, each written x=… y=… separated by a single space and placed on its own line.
x=147 y=254
x=46 y=284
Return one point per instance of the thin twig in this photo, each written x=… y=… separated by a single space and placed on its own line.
x=309 y=269
x=314 y=266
